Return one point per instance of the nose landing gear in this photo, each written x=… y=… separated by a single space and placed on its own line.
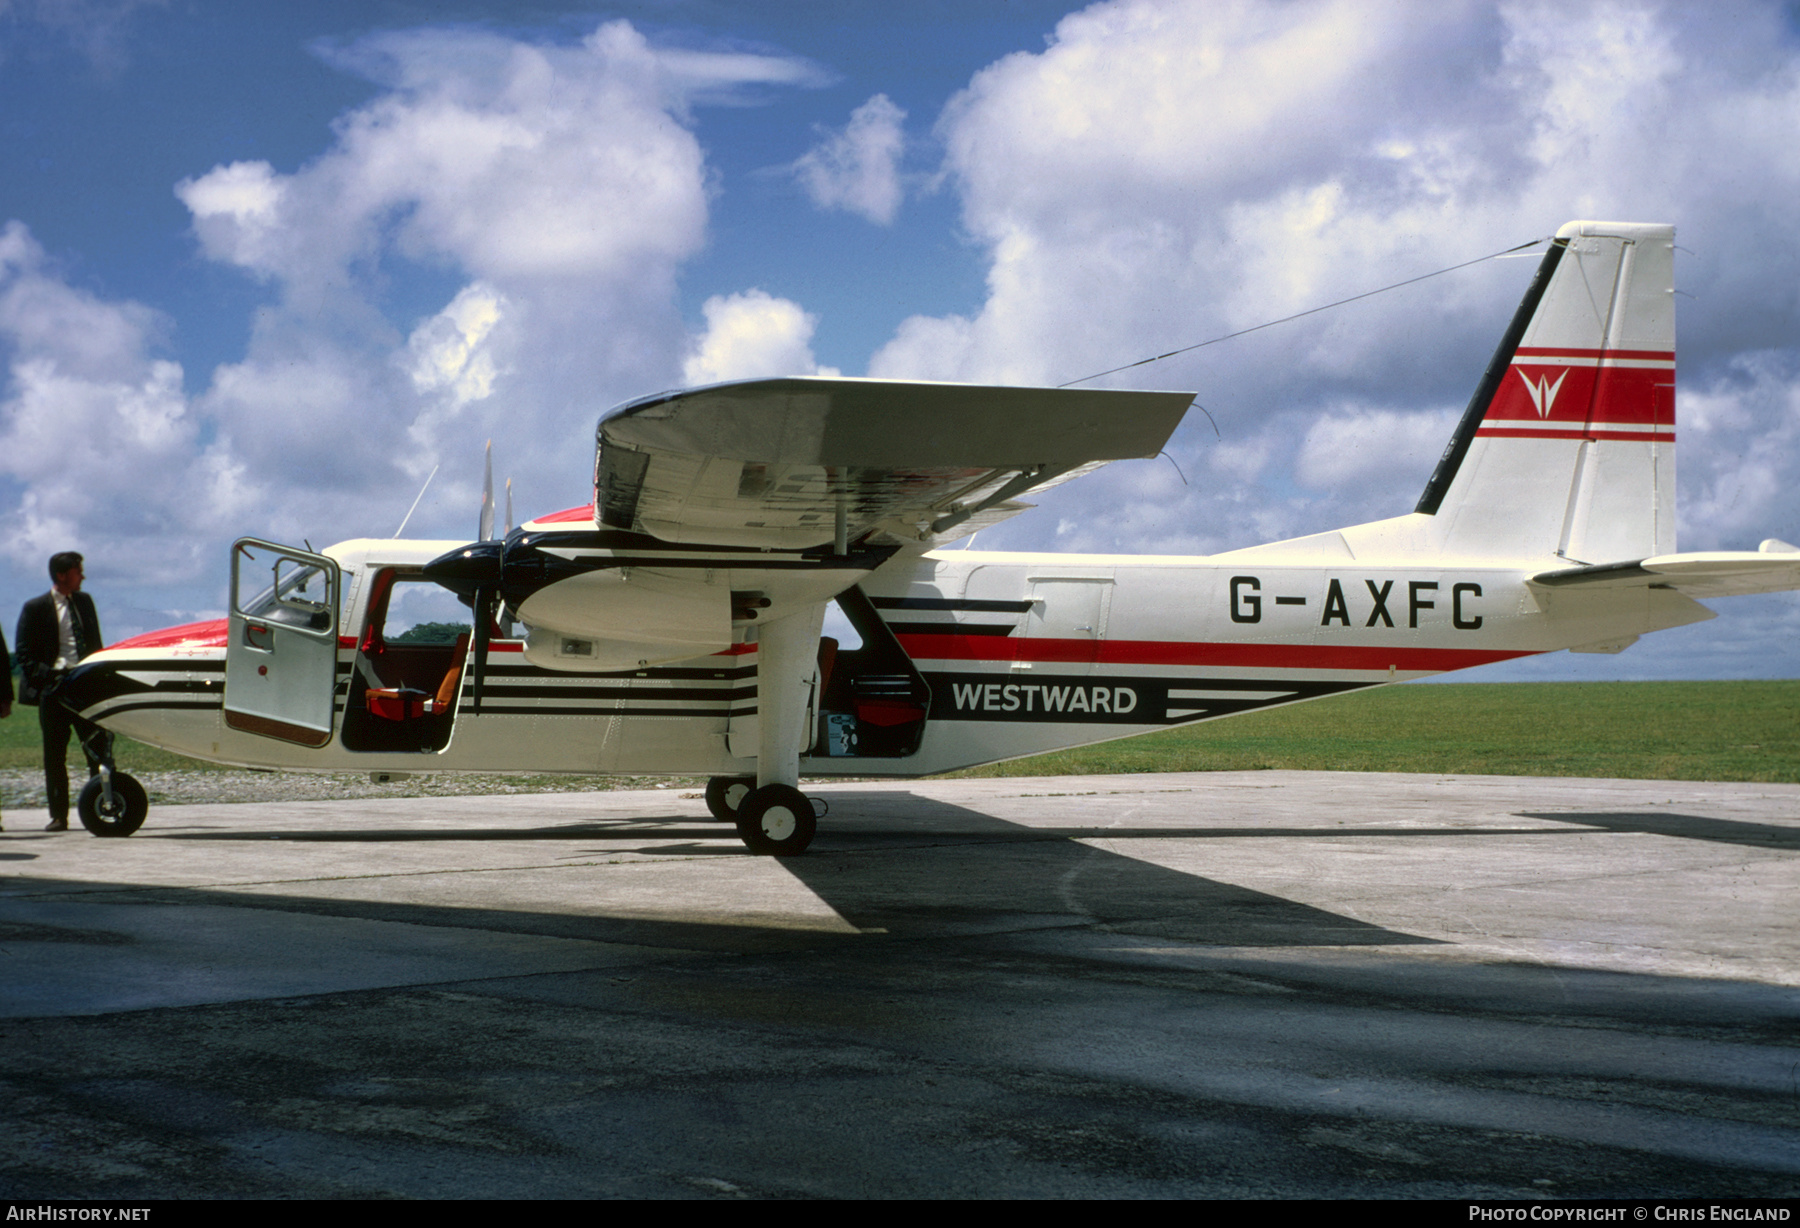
x=112 y=804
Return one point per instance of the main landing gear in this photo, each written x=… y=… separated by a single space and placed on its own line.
x=724 y=794
x=775 y=820
x=773 y=817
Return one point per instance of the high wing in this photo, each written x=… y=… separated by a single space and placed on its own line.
x=802 y=462
x=1771 y=568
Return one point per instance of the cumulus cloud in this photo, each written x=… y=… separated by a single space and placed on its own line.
x=556 y=187
x=448 y=351
x=1740 y=440
x=857 y=168
x=451 y=361
x=752 y=335
x=1349 y=445
x=562 y=183
x=505 y=157
x=237 y=213
x=1164 y=173
x=100 y=449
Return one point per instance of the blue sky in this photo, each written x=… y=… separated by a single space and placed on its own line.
x=265 y=265
x=95 y=142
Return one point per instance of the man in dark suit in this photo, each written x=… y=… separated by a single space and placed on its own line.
x=56 y=630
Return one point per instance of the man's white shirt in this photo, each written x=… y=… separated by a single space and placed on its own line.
x=68 y=644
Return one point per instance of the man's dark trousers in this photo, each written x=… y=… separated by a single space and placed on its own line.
x=57 y=723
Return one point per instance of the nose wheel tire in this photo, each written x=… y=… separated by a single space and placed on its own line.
x=776 y=820
x=122 y=816
x=725 y=794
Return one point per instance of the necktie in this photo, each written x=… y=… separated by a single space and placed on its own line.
x=79 y=628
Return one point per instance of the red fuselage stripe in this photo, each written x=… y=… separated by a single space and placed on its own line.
x=1161 y=652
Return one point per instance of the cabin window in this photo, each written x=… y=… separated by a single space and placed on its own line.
x=421 y=612
x=839 y=627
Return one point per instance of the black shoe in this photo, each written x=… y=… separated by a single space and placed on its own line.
x=58 y=825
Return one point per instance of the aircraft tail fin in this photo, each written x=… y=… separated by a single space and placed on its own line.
x=1568 y=445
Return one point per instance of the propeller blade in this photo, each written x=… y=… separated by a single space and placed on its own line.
x=509 y=516
x=474 y=573
x=486 y=531
x=484 y=619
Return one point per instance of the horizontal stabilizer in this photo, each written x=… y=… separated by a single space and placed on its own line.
x=1774 y=568
x=802 y=462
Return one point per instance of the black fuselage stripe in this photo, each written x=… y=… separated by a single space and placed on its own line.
x=659 y=694
x=103 y=712
x=488 y=708
x=951 y=603
x=652 y=675
x=605 y=562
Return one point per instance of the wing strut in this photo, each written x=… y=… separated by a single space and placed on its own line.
x=1022 y=482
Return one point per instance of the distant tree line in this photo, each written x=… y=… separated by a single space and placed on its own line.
x=430 y=633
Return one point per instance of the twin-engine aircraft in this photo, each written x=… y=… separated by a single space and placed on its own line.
x=675 y=626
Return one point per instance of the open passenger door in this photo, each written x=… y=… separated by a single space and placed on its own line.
x=281 y=659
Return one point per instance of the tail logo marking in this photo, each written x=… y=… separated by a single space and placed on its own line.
x=1543 y=392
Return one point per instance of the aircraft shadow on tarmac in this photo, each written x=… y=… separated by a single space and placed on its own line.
x=914 y=866
x=1682 y=826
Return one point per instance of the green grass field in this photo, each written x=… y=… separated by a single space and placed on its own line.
x=1644 y=730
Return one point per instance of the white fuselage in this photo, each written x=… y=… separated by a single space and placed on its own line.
x=1018 y=653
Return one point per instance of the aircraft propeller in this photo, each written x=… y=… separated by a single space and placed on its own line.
x=473 y=573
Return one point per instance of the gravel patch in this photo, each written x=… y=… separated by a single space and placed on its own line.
x=22 y=790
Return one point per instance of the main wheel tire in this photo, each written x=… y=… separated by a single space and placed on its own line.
x=725 y=794
x=126 y=813
x=776 y=820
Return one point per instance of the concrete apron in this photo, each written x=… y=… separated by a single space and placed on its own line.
x=1282 y=982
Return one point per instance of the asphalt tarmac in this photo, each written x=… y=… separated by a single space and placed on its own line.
x=1218 y=984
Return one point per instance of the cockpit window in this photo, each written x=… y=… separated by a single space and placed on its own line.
x=275 y=588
